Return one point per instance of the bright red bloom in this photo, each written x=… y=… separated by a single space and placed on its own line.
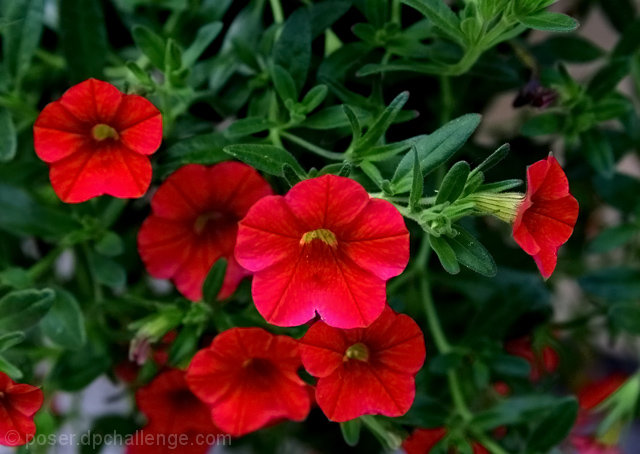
x=249 y=379
x=95 y=140
x=194 y=222
x=545 y=219
x=171 y=409
x=422 y=441
x=593 y=394
x=364 y=370
x=542 y=362
x=327 y=247
x=18 y=404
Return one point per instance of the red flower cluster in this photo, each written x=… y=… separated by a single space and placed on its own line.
x=18 y=404
x=95 y=140
x=545 y=219
x=327 y=247
x=248 y=377
x=422 y=441
x=545 y=361
x=195 y=221
x=172 y=409
x=365 y=370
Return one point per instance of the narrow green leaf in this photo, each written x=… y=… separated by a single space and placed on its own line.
x=9 y=142
x=472 y=254
x=613 y=284
x=10 y=339
x=150 y=44
x=64 y=323
x=83 y=37
x=356 y=129
x=445 y=253
x=108 y=271
x=185 y=345
x=22 y=31
x=314 y=97
x=500 y=186
x=441 y=15
x=284 y=83
x=290 y=175
x=351 y=431
x=417 y=187
x=598 y=152
x=247 y=126
x=436 y=149
x=266 y=158
x=213 y=283
x=554 y=427
x=550 y=21
x=613 y=237
x=204 y=37
x=139 y=73
x=292 y=50
x=76 y=371
x=382 y=123
x=608 y=77
x=21 y=309
x=543 y=124
x=172 y=56
x=493 y=159
x=324 y=14
x=453 y=183
x=9 y=369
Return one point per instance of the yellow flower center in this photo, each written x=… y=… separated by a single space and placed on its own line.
x=324 y=235
x=102 y=132
x=357 y=351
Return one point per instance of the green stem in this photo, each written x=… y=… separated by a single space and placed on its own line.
x=45 y=263
x=311 y=147
x=492 y=446
x=276 y=10
x=447 y=99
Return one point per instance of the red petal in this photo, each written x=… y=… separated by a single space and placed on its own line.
x=164 y=246
x=322 y=349
x=421 y=441
x=377 y=240
x=25 y=399
x=237 y=187
x=58 y=134
x=92 y=101
x=183 y=195
x=555 y=184
x=139 y=124
x=109 y=170
x=595 y=393
x=329 y=201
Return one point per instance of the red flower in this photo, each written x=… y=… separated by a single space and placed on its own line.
x=249 y=379
x=327 y=247
x=545 y=361
x=545 y=219
x=171 y=409
x=422 y=441
x=18 y=404
x=593 y=394
x=95 y=140
x=194 y=222
x=364 y=370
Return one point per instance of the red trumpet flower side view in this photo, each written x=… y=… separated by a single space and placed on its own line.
x=365 y=370
x=96 y=139
x=194 y=222
x=546 y=218
x=248 y=377
x=422 y=441
x=544 y=361
x=324 y=247
x=171 y=409
x=18 y=404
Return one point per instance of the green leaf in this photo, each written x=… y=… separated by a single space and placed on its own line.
x=83 y=37
x=510 y=366
x=248 y=126
x=22 y=30
x=292 y=50
x=608 y=77
x=493 y=159
x=290 y=175
x=172 y=56
x=453 y=183
x=284 y=83
x=185 y=344
x=382 y=123
x=139 y=73
x=554 y=427
x=569 y=48
x=472 y=254
x=445 y=253
x=417 y=187
x=515 y=410
x=9 y=369
x=613 y=237
x=356 y=129
x=435 y=149
x=110 y=245
x=9 y=142
x=613 y=284
x=266 y=158
x=21 y=309
x=64 y=323
x=546 y=123
x=626 y=316
x=500 y=186
x=150 y=44
x=351 y=431
x=324 y=14
x=441 y=15
x=334 y=117
x=213 y=283
x=107 y=271
x=628 y=43
x=551 y=22
x=203 y=149
x=598 y=152
x=75 y=371
x=10 y=339
x=314 y=97
x=204 y=37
